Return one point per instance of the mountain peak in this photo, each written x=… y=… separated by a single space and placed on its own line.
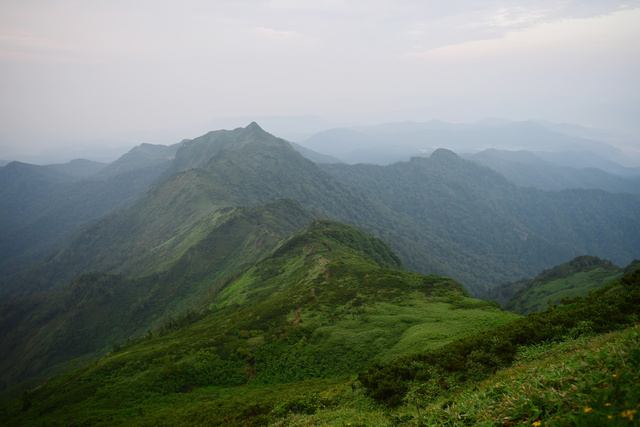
x=253 y=126
x=253 y=130
x=443 y=153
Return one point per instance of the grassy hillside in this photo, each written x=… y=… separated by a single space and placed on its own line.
x=474 y=358
x=575 y=278
x=84 y=319
x=561 y=367
x=323 y=306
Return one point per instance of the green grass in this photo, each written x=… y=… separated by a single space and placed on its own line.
x=589 y=381
x=316 y=311
x=535 y=298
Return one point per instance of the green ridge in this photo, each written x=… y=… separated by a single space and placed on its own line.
x=324 y=305
x=577 y=277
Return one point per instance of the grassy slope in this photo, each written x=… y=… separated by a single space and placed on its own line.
x=576 y=278
x=591 y=380
x=581 y=377
x=42 y=334
x=321 y=308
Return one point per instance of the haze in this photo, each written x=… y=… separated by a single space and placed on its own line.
x=76 y=74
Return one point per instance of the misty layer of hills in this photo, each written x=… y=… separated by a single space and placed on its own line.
x=433 y=210
x=165 y=229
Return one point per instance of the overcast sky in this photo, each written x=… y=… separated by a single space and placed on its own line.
x=81 y=70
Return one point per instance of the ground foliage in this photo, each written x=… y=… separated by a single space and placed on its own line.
x=322 y=307
x=558 y=368
x=86 y=317
x=476 y=357
x=576 y=278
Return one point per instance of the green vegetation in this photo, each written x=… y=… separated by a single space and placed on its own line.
x=442 y=215
x=476 y=357
x=220 y=297
x=560 y=367
x=575 y=278
x=468 y=222
x=317 y=311
x=44 y=207
x=85 y=318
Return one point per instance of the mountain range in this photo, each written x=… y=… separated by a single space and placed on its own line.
x=564 y=145
x=232 y=257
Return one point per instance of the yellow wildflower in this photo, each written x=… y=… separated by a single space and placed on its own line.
x=629 y=414
x=536 y=423
x=588 y=409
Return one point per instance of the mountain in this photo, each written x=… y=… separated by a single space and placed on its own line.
x=441 y=214
x=227 y=293
x=44 y=207
x=482 y=230
x=243 y=167
x=527 y=169
x=314 y=156
x=392 y=142
x=87 y=316
x=352 y=146
x=575 y=278
x=79 y=168
x=144 y=157
x=326 y=303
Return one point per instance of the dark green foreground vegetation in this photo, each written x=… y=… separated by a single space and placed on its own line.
x=285 y=340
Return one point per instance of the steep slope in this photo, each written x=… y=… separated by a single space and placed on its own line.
x=248 y=167
x=575 y=278
x=484 y=230
x=441 y=214
x=325 y=304
x=44 y=207
x=84 y=319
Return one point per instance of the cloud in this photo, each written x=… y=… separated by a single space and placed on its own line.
x=71 y=65
x=520 y=29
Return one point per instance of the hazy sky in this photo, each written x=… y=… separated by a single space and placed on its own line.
x=82 y=70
